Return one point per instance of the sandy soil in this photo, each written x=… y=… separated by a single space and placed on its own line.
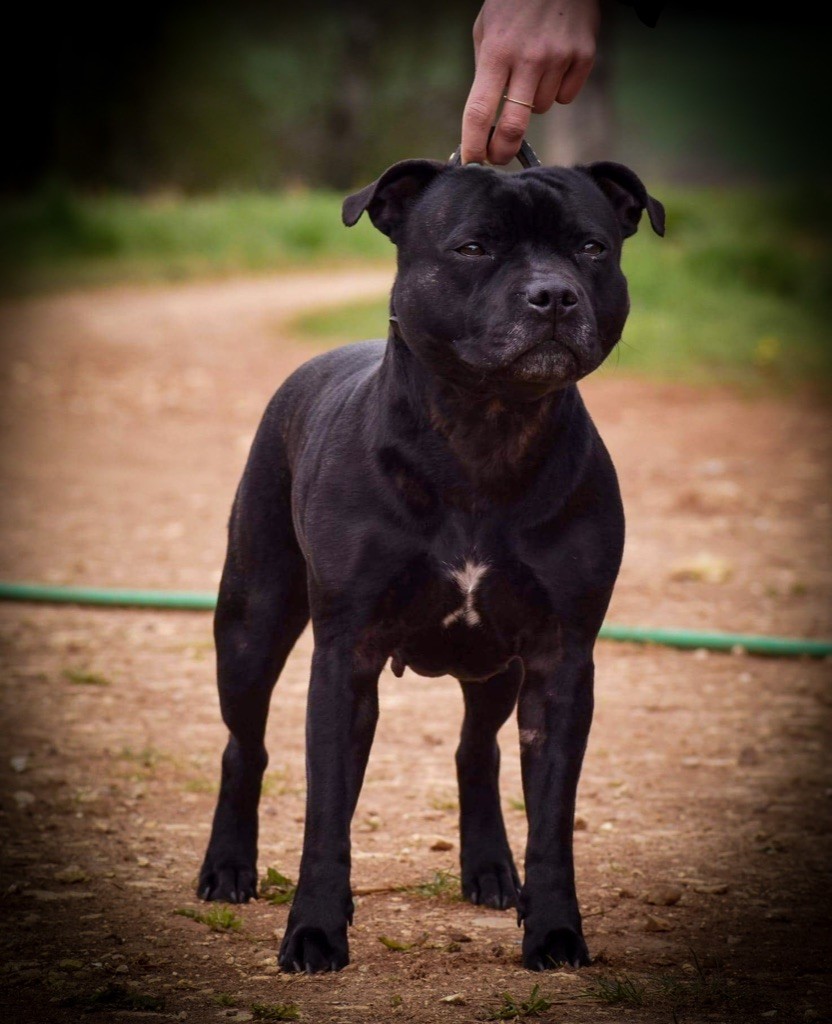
x=704 y=844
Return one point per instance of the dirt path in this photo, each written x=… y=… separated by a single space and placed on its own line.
x=126 y=417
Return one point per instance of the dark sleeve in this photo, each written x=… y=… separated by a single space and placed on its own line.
x=647 y=12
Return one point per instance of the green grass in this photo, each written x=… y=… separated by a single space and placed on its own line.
x=738 y=292
x=443 y=885
x=701 y=988
x=277 y=888
x=617 y=990
x=58 y=240
x=224 y=999
x=275 y=1011
x=218 y=919
x=513 y=1008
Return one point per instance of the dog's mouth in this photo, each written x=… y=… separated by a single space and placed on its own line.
x=547 y=360
x=556 y=359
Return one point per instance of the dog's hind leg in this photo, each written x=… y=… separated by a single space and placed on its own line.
x=489 y=876
x=261 y=611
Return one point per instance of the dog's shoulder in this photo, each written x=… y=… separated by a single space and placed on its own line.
x=331 y=368
x=313 y=389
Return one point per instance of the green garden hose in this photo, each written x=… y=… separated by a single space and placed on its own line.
x=776 y=646
x=182 y=600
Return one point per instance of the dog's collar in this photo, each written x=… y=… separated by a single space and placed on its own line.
x=526 y=157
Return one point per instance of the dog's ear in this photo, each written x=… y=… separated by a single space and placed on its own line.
x=386 y=199
x=629 y=197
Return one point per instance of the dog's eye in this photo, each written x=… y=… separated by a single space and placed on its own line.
x=471 y=249
x=593 y=248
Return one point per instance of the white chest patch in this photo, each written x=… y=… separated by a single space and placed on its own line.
x=467 y=579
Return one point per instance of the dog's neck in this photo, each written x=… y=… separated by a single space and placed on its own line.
x=499 y=442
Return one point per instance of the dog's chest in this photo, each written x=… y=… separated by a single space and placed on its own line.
x=467 y=579
x=469 y=614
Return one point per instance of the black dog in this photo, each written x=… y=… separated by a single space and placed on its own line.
x=442 y=499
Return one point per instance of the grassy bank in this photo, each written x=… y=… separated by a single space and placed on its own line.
x=737 y=291
x=58 y=240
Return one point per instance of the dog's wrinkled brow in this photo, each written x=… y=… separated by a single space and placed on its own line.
x=500 y=210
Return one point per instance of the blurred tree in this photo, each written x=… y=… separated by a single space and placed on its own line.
x=260 y=94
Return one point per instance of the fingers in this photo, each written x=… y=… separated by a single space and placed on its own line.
x=538 y=52
x=481 y=109
x=575 y=77
x=514 y=118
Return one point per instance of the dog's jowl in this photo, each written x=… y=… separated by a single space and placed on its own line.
x=441 y=500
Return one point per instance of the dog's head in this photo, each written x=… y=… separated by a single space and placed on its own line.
x=510 y=282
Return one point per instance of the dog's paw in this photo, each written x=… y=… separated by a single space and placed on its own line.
x=227 y=882
x=493 y=884
x=306 y=948
x=555 y=948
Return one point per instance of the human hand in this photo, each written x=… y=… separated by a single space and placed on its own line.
x=536 y=52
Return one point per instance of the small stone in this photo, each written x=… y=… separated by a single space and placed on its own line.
x=663 y=896
x=441 y=844
x=711 y=889
x=580 y=824
x=122 y=969
x=460 y=937
x=20 y=763
x=70 y=965
x=71 y=874
x=24 y=799
x=656 y=924
x=457 y=999
x=626 y=894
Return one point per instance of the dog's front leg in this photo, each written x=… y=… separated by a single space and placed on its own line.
x=488 y=873
x=341 y=718
x=554 y=715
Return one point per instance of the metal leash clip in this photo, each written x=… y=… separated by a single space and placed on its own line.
x=526 y=157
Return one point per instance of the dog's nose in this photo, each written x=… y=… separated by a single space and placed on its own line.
x=551 y=297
